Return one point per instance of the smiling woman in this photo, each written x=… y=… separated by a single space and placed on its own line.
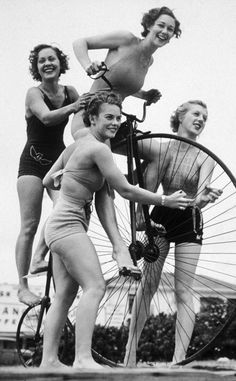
x=128 y=60
x=47 y=108
x=189 y=169
x=83 y=168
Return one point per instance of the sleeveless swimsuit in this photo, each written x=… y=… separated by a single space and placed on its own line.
x=126 y=77
x=182 y=173
x=71 y=215
x=44 y=143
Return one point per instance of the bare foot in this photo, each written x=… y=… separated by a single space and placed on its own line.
x=130 y=360
x=27 y=297
x=38 y=266
x=87 y=364
x=56 y=364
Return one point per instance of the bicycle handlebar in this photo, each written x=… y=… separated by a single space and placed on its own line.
x=101 y=74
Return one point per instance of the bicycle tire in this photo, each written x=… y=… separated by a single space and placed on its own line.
x=29 y=343
x=215 y=279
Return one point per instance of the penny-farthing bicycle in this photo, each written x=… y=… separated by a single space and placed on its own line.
x=214 y=289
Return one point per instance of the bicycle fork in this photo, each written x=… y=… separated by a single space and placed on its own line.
x=137 y=250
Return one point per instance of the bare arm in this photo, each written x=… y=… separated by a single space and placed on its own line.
x=109 y=41
x=49 y=180
x=206 y=193
x=106 y=212
x=104 y=160
x=35 y=105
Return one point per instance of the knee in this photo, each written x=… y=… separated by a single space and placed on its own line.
x=29 y=227
x=98 y=290
x=66 y=297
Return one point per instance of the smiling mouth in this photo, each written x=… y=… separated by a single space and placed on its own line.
x=49 y=69
x=163 y=39
x=198 y=126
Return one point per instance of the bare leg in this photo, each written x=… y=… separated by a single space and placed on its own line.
x=141 y=306
x=66 y=290
x=38 y=263
x=30 y=193
x=81 y=262
x=186 y=260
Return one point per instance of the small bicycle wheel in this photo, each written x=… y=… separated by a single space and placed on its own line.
x=212 y=287
x=29 y=337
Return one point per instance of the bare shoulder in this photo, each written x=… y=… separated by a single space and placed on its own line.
x=34 y=91
x=127 y=36
x=100 y=150
x=73 y=93
x=205 y=159
x=33 y=95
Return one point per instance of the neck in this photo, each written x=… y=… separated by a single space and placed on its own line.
x=148 y=47
x=96 y=135
x=51 y=87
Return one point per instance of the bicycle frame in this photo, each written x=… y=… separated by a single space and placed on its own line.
x=132 y=152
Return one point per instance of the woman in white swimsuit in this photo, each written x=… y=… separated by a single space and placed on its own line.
x=84 y=166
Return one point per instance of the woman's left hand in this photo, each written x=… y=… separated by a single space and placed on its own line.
x=211 y=194
x=152 y=96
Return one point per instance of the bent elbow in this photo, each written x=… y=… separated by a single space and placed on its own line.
x=125 y=192
x=77 y=43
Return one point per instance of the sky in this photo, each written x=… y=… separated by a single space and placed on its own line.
x=199 y=65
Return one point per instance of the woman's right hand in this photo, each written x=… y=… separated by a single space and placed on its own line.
x=94 y=67
x=178 y=200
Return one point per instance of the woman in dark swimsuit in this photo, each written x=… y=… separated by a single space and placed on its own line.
x=47 y=110
x=183 y=227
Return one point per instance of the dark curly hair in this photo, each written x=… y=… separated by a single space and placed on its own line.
x=97 y=100
x=153 y=14
x=181 y=111
x=33 y=59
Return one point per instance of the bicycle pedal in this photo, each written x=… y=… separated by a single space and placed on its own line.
x=124 y=271
x=136 y=274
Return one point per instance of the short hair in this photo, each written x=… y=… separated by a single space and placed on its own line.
x=33 y=59
x=181 y=111
x=153 y=14
x=97 y=100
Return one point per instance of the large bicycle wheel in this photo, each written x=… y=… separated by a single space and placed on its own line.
x=29 y=338
x=212 y=287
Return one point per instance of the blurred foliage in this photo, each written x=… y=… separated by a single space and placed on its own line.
x=157 y=340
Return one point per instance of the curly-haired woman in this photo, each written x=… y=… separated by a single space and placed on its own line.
x=128 y=60
x=47 y=109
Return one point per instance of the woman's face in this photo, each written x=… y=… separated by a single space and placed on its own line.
x=162 y=30
x=107 y=122
x=48 y=64
x=193 y=121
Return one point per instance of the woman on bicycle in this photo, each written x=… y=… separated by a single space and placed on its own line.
x=183 y=227
x=84 y=167
x=128 y=60
x=47 y=108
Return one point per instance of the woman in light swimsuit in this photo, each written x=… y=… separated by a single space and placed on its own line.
x=47 y=108
x=184 y=228
x=84 y=167
x=128 y=60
